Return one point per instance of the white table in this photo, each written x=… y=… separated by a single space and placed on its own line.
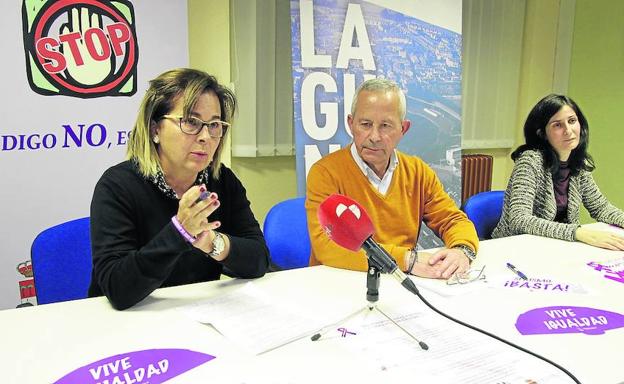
x=41 y=344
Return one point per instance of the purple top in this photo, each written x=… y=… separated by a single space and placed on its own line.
x=561 y=181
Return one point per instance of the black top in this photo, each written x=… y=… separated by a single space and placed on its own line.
x=137 y=249
x=561 y=181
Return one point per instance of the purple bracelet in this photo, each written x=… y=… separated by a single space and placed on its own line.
x=190 y=238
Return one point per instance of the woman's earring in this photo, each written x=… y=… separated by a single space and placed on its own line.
x=156 y=139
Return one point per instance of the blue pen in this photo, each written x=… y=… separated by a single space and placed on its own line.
x=515 y=270
x=203 y=196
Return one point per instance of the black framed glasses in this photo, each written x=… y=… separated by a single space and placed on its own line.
x=192 y=125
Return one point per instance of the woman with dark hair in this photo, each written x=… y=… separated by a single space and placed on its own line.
x=172 y=214
x=552 y=178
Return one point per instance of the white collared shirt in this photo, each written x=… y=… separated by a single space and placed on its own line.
x=380 y=184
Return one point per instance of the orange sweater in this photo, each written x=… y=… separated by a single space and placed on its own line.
x=415 y=194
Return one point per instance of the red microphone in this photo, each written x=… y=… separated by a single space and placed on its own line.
x=346 y=222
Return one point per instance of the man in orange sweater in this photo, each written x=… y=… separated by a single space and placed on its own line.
x=397 y=190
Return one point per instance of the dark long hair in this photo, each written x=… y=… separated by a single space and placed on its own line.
x=535 y=135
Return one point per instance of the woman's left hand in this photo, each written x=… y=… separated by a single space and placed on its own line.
x=602 y=239
x=193 y=213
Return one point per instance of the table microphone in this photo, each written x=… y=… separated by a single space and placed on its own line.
x=347 y=224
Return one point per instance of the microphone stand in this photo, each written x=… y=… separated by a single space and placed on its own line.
x=372 y=297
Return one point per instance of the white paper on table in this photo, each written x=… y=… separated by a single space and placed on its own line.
x=455 y=355
x=611 y=269
x=536 y=284
x=616 y=264
x=252 y=319
x=611 y=228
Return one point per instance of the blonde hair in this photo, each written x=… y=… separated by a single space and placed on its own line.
x=185 y=84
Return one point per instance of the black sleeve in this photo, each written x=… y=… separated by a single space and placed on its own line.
x=124 y=269
x=249 y=254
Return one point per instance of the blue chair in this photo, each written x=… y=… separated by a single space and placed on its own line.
x=61 y=261
x=484 y=210
x=286 y=234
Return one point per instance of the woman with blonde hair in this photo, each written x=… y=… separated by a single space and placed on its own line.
x=172 y=214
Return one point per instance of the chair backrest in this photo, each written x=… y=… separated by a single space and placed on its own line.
x=484 y=210
x=286 y=234
x=61 y=262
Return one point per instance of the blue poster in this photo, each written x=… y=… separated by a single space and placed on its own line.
x=337 y=44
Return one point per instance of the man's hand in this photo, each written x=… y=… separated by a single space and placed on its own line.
x=448 y=261
x=436 y=265
x=422 y=267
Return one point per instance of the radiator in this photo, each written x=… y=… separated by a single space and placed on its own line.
x=476 y=174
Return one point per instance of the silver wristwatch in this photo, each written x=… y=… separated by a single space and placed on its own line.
x=470 y=254
x=218 y=245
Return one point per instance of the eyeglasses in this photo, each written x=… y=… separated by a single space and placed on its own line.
x=467 y=277
x=193 y=126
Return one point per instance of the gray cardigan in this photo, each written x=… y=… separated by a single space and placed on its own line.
x=530 y=206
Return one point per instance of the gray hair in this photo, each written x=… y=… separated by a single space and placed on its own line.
x=379 y=85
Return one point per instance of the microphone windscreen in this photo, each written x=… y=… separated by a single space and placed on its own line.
x=345 y=221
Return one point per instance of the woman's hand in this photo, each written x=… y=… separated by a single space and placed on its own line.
x=602 y=239
x=205 y=243
x=193 y=213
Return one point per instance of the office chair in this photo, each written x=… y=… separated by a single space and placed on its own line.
x=484 y=210
x=61 y=261
x=286 y=234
